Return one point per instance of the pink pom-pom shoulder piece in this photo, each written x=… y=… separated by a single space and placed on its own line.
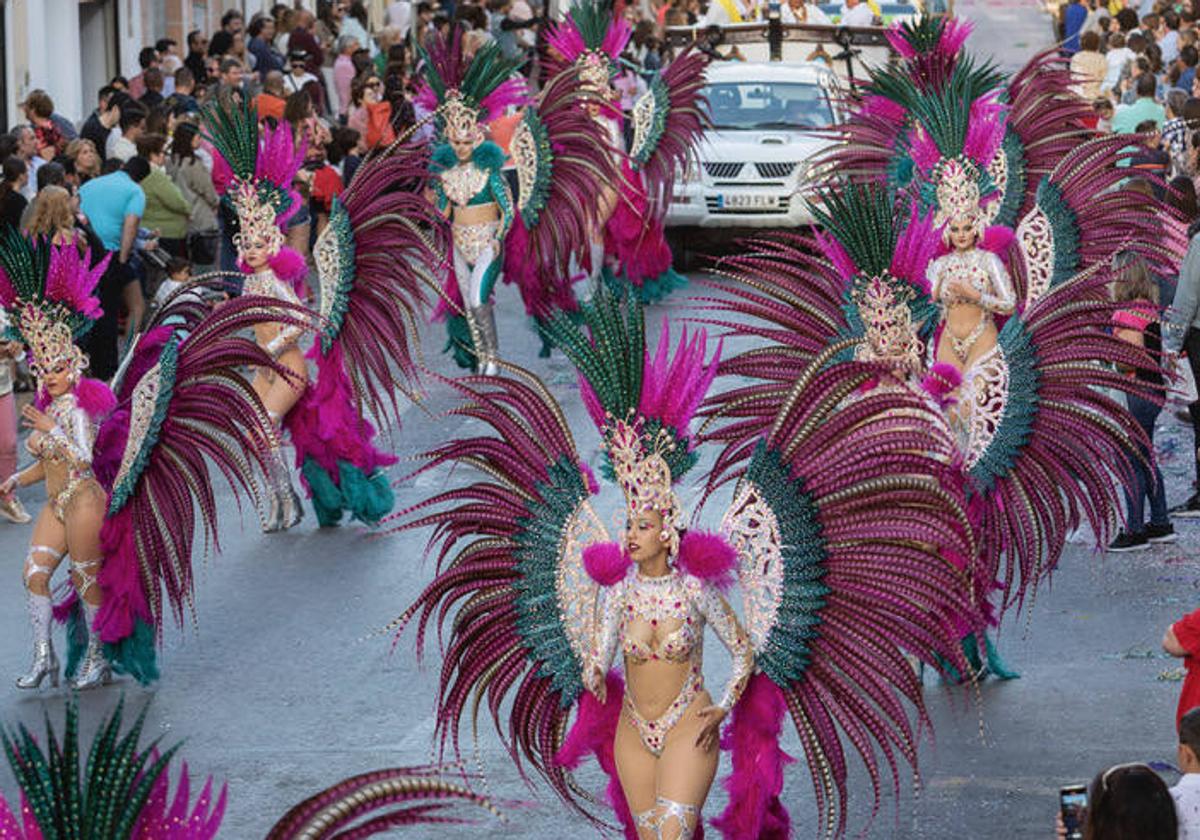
x=709 y=557
x=606 y=562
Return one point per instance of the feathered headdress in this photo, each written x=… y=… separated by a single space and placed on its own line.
x=956 y=132
x=881 y=251
x=122 y=787
x=465 y=95
x=592 y=38
x=253 y=171
x=643 y=407
x=47 y=292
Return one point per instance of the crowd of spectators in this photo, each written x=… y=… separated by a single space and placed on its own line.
x=1137 y=64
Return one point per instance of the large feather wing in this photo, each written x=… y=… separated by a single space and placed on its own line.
x=190 y=412
x=378 y=259
x=668 y=120
x=854 y=551
x=1049 y=448
x=1053 y=239
x=510 y=573
x=561 y=155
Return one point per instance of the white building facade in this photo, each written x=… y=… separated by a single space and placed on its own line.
x=71 y=48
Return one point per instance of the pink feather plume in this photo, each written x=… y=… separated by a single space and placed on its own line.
x=70 y=281
x=836 y=254
x=672 y=389
x=917 y=244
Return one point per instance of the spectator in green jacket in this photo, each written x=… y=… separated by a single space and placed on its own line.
x=166 y=210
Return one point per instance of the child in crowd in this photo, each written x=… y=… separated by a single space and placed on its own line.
x=1104 y=111
x=1152 y=159
x=1182 y=639
x=1186 y=792
x=179 y=272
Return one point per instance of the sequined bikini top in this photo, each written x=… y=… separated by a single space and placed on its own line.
x=652 y=602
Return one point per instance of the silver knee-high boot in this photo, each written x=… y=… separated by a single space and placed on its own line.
x=94 y=670
x=285 y=508
x=41 y=615
x=45 y=663
x=487 y=349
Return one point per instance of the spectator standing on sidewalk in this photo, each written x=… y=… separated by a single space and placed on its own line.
x=344 y=72
x=153 y=80
x=195 y=183
x=266 y=57
x=147 y=58
x=1182 y=335
x=27 y=152
x=1088 y=66
x=1145 y=107
x=114 y=205
x=85 y=159
x=197 y=50
x=51 y=140
x=104 y=119
x=166 y=210
x=122 y=142
x=1186 y=792
x=231 y=24
x=12 y=200
x=1137 y=323
x=1073 y=16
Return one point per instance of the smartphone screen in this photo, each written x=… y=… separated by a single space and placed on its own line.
x=1073 y=802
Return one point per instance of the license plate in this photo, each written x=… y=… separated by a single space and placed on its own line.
x=747 y=201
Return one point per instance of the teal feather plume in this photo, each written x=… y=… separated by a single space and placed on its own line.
x=234 y=133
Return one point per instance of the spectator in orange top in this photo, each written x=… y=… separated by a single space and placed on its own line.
x=371 y=115
x=273 y=99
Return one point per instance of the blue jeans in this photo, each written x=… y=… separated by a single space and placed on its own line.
x=1145 y=485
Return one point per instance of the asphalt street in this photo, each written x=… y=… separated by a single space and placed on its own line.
x=283 y=684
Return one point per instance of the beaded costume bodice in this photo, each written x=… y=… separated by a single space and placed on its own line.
x=978 y=269
x=637 y=608
x=69 y=444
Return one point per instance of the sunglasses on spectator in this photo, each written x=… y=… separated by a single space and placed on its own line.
x=374 y=84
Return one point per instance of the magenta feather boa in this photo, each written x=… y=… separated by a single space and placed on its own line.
x=754 y=811
x=326 y=425
x=594 y=731
x=92 y=395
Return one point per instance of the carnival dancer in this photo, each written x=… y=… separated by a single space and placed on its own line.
x=1029 y=407
x=541 y=600
x=375 y=261
x=468 y=186
x=122 y=473
x=970 y=283
x=1047 y=173
x=667 y=121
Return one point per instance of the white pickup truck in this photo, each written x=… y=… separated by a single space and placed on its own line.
x=753 y=162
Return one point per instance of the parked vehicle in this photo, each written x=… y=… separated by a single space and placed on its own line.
x=753 y=163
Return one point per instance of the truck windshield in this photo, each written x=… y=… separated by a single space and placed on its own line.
x=768 y=105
